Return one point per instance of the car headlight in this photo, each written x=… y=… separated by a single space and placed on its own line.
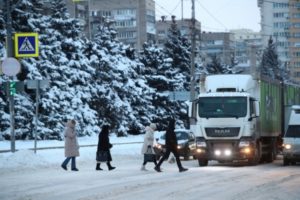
x=287 y=146
x=201 y=144
x=244 y=144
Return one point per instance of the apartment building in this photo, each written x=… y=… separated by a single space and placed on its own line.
x=246 y=40
x=184 y=25
x=218 y=44
x=294 y=39
x=134 y=20
x=281 y=20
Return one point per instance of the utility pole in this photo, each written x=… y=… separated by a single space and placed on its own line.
x=192 y=70
x=9 y=55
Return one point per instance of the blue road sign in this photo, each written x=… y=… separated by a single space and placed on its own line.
x=26 y=45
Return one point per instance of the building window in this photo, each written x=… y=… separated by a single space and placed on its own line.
x=125 y=23
x=280 y=5
x=297 y=44
x=131 y=12
x=296 y=35
x=281 y=25
x=296 y=15
x=127 y=34
x=104 y=13
x=297 y=64
x=281 y=15
x=161 y=33
x=296 y=25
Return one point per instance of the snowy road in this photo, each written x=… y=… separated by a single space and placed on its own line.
x=48 y=181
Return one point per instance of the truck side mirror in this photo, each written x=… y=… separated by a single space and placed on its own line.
x=190 y=105
x=257 y=111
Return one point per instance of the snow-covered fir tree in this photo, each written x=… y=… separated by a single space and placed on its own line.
x=167 y=70
x=270 y=64
x=62 y=62
x=96 y=83
x=215 y=66
x=4 y=116
x=121 y=93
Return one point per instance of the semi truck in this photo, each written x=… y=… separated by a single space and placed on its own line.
x=239 y=118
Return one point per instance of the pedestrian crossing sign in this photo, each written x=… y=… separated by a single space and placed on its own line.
x=26 y=45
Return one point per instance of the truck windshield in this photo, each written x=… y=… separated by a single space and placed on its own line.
x=225 y=107
x=293 y=131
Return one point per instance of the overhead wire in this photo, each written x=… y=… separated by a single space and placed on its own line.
x=176 y=6
x=211 y=15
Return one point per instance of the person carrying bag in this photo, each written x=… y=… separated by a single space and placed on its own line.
x=147 y=149
x=103 y=149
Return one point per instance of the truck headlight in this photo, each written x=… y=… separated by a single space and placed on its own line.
x=287 y=146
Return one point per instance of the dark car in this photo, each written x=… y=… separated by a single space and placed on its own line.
x=186 y=143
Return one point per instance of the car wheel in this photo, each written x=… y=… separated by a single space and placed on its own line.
x=203 y=162
x=187 y=155
x=286 y=162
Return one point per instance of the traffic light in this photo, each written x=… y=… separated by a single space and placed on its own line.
x=12 y=88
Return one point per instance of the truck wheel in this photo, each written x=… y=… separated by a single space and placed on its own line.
x=202 y=162
x=286 y=162
x=273 y=153
x=257 y=155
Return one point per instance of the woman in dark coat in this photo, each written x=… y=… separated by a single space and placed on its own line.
x=104 y=145
x=171 y=146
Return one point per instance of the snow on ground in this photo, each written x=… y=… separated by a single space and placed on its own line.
x=28 y=176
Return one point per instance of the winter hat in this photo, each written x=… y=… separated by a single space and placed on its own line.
x=153 y=126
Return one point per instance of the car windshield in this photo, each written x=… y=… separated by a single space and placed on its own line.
x=293 y=131
x=180 y=135
x=225 y=107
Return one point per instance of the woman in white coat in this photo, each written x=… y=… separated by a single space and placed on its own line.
x=148 y=143
x=71 y=146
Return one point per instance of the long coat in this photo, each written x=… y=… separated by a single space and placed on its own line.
x=103 y=141
x=148 y=140
x=71 y=144
x=171 y=139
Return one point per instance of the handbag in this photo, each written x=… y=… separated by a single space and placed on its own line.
x=102 y=156
x=149 y=156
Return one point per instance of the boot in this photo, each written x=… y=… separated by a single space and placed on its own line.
x=98 y=167
x=182 y=169
x=64 y=167
x=110 y=167
x=157 y=168
x=143 y=168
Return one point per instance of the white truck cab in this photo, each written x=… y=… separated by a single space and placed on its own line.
x=291 y=139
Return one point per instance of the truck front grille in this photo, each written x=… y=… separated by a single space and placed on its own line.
x=222 y=132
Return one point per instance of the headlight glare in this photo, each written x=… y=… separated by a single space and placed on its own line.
x=287 y=146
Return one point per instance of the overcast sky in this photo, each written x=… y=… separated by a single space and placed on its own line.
x=215 y=15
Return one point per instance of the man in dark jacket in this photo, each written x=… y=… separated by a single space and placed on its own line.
x=104 y=145
x=171 y=146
